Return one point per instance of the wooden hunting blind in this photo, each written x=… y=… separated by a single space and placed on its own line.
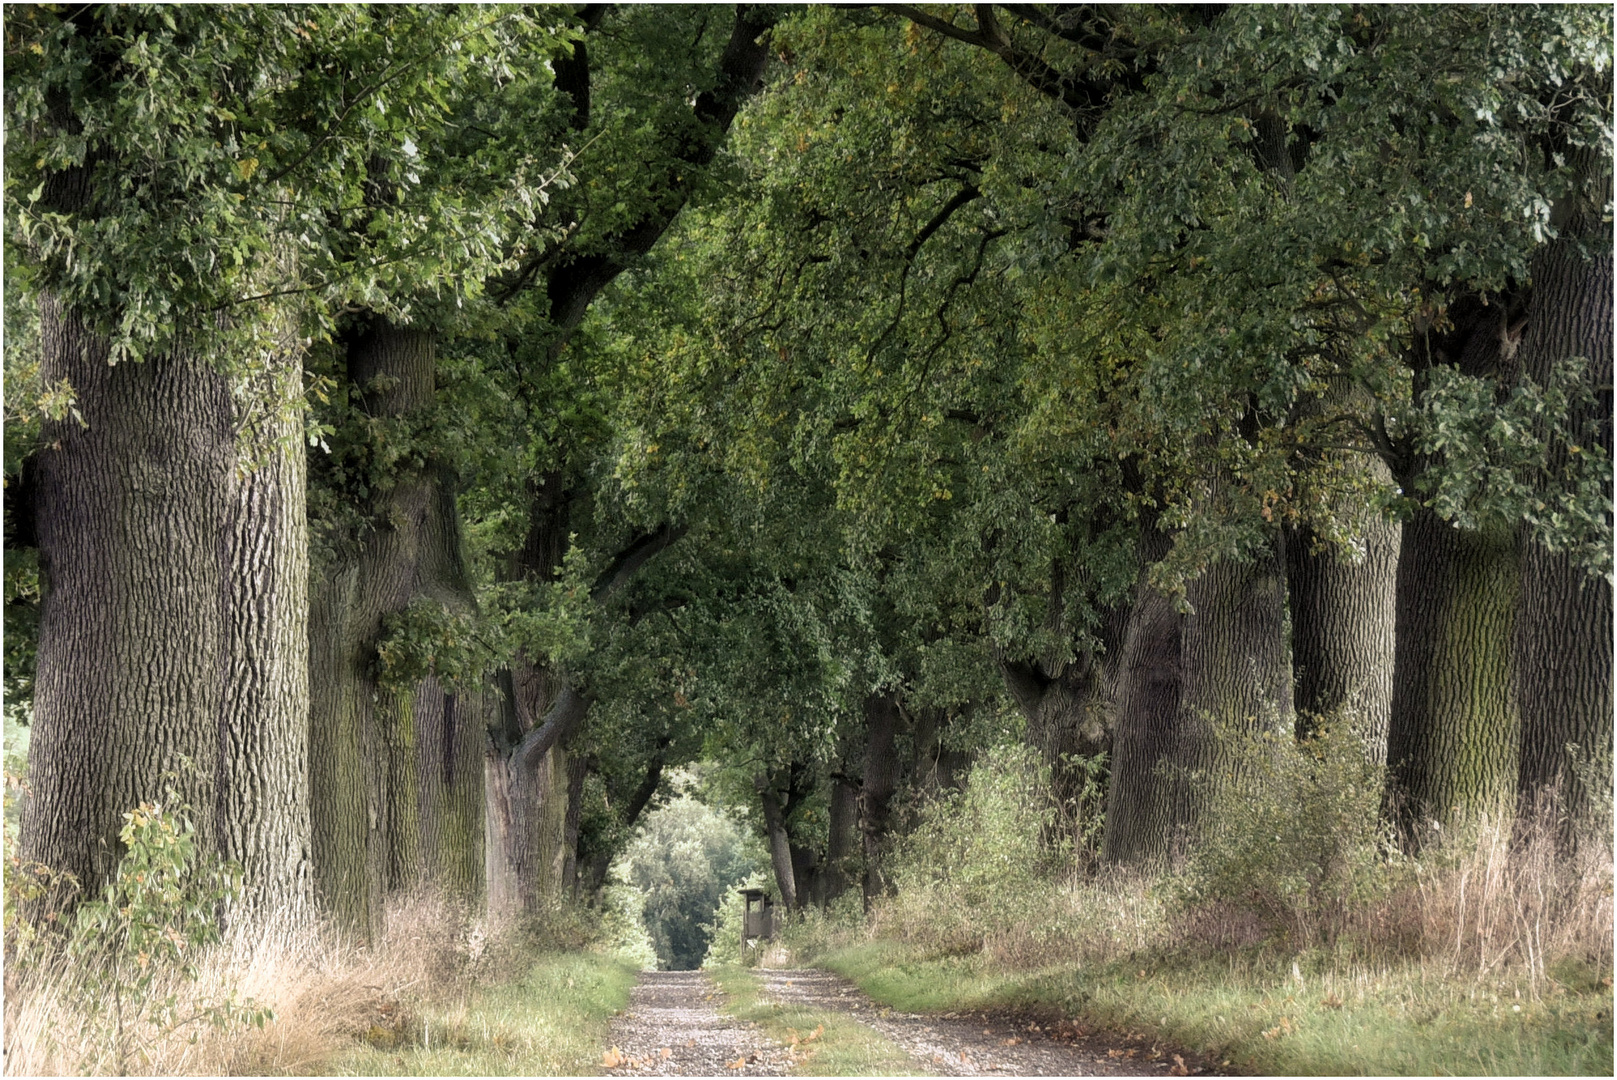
x=757 y=923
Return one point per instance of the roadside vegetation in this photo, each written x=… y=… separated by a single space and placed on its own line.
x=1299 y=943
x=438 y=994
x=146 y=980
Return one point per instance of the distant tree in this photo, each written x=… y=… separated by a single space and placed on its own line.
x=685 y=856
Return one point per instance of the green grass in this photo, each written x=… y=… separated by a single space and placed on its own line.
x=551 y=1022
x=1257 y=1013
x=845 y=1047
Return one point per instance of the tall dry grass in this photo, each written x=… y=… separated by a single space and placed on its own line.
x=326 y=990
x=1496 y=894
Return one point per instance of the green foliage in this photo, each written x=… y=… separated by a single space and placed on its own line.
x=1500 y=469
x=622 y=925
x=684 y=858
x=226 y=157
x=1296 y=837
x=986 y=840
x=548 y=621
x=981 y=859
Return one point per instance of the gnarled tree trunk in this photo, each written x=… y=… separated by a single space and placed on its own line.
x=365 y=749
x=1193 y=686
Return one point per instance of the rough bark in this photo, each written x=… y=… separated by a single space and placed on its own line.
x=577 y=770
x=1342 y=618
x=842 y=843
x=133 y=634
x=1453 y=738
x=1236 y=669
x=1193 y=687
x=451 y=730
x=262 y=794
x=1068 y=706
x=1146 y=717
x=1454 y=735
x=1564 y=622
x=528 y=784
x=876 y=791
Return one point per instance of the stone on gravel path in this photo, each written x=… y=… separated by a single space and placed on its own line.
x=677 y=1011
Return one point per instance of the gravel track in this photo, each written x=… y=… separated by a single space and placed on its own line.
x=677 y=1012
x=673 y=1028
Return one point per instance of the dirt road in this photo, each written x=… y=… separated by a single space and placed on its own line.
x=677 y=1011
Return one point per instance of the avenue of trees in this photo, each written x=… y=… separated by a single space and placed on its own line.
x=430 y=426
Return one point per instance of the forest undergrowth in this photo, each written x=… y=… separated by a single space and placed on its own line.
x=1296 y=936
x=438 y=992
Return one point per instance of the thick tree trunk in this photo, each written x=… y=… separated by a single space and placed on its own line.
x=133 y=637
x=1236 y=674
x=880 y=784
x=1342 y=618
x=1564 y=622
x=528 y=784
x=451 y=730
x=1138 y=796
x=1453 y=738
x=262 y=796
x=346 y=882
x=780 y=849
x=1068 y=713
x=842 y=842
x=360 y=728
x=577 y=771
x=1224 y=672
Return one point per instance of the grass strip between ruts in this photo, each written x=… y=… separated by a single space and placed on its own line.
x=844 y=1047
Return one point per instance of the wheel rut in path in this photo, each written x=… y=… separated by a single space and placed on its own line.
x=981 y=1044
x=677 y=1012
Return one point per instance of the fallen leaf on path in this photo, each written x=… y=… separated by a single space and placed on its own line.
x=1012 y=1041
x=612 y=1058
x=738 y=1063
x=1178 y=1067
x=665 y=1053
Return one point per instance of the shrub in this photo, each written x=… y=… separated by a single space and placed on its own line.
x=126 y=965
x=979 y=858
x=1294 y=836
